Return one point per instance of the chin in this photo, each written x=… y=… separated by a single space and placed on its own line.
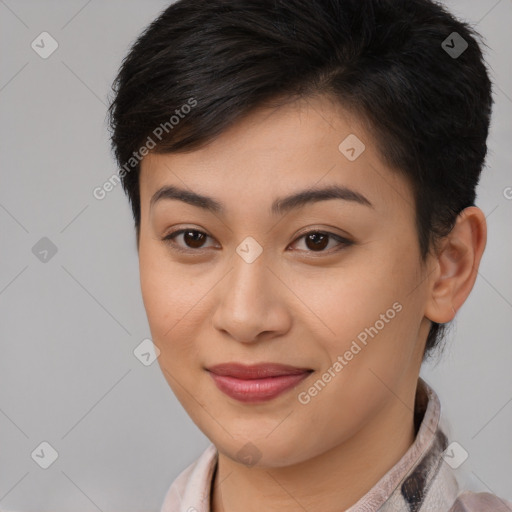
x=264 y=451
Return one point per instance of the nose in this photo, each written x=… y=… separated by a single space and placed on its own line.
x=251 y=302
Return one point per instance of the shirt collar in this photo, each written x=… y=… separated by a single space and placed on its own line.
x=421 y=478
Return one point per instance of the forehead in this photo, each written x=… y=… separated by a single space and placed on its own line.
x=272 y=152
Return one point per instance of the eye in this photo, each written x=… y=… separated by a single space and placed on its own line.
x=315 y=241
x=194 y=237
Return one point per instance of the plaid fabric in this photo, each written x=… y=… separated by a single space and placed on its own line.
x=421 y=481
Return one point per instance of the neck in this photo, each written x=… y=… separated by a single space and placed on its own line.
x=330 y=482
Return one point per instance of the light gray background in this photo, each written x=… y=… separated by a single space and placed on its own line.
x=68 y=327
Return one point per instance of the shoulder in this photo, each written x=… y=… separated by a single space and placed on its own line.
x=192 y=485
x=469 y=501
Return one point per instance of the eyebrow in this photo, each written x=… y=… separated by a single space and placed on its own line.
x=279 y=207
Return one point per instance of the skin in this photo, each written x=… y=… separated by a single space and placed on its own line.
x=296 y=304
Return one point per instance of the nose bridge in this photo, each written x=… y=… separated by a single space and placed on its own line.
x=249 y=302
x=250 y=272
x=250 y=279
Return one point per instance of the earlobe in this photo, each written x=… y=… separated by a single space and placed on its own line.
x=458 y=261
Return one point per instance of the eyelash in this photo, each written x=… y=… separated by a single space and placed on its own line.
x=169 y=239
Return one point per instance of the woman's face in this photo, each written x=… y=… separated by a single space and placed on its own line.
x=249 y=284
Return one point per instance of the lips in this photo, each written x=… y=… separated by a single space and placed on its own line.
x=256 y=371
x=256 y=383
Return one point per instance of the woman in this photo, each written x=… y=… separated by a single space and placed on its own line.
x=302 y=176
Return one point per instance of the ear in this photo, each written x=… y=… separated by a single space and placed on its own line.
x=456 y=265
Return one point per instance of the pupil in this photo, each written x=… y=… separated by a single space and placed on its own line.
x=195 y=235
x=315 y=236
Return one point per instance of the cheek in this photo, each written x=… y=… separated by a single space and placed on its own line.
x=159 y=281
x=162 y=292
x=172 y=329
x=370 y=312
x=173 y=301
